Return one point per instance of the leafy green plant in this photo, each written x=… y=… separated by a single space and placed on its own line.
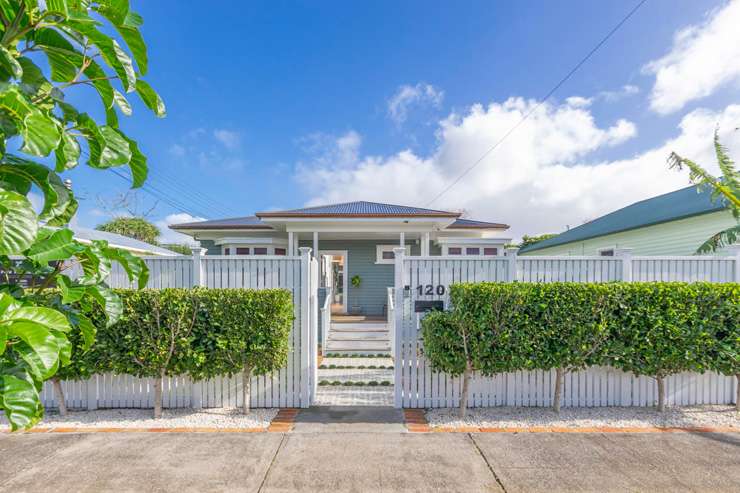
x=46 y=48
x=726 y=188
x=356 y=281
x=132 y=227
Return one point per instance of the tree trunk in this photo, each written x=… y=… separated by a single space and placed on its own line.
x=661 y=394
x=737 y=393
x=246 y=388
x=465 y=389
x=59 y=396
x=158 y=396
x=559 y=373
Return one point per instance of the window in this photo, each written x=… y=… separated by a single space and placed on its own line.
x=490 y=251
x=608 y=252
x=385 y=255
x=260 y=251
x=472 y=251
x=227 y=251
x=242 y=251
x=280 y=251
x=454 y=251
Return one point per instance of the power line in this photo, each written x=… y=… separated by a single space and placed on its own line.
x=541 y=102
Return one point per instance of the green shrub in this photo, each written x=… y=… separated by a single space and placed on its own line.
x=654 y=329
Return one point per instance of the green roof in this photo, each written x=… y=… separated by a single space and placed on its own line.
x=671 y=206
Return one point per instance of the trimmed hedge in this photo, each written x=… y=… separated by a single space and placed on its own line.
x=197 y=332
x=654 y=329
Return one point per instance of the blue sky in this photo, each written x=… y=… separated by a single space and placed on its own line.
x=280 y=104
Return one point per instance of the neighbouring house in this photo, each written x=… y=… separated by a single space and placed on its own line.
x=135 y=247
x=355 y=239
x=675 y=223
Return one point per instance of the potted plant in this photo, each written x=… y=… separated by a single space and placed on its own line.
x=356 y=281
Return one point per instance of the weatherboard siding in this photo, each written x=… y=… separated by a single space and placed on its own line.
x=680 y=237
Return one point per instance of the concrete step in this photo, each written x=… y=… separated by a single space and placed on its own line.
x=358 y=336
x=357 y=346
x=362 y=327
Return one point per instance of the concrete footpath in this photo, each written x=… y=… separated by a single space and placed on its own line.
x=320 y=456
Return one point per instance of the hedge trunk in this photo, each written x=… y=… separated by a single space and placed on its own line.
x=737 y=393
x=246 y=388
x=158 y=395
x=661 y=394
x=465 y=389
x=559 y=372
x=59 y=396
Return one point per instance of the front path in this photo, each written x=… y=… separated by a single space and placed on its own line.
x=369 y=461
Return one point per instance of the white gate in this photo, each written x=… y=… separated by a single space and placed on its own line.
x=291 y=386
x=429 y=278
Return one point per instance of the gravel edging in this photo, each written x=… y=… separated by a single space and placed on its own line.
x=231 y=418
x=719 y=416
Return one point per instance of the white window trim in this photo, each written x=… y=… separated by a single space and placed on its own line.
x=379 y=249
x=233 y=246
x=479 y=246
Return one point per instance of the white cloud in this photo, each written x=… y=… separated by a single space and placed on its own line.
x=407 y=96
x=230 y=139
x=614 y=96
x=171 y=236
x=703 y=58
x=538 y=180
x=177 y=150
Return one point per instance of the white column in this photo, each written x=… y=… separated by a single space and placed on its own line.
x=425 y=244
x=316 y=244
x=734 y=251
x=402 y=239
x=399 y=254
x=198 y=277
x=291 y=244
x=511 y=254
x=626 y=255
x=305 y=348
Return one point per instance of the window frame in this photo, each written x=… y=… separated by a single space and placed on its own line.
x=379 y=249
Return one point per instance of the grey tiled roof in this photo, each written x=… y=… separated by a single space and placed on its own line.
x=248 y=222
x=682 y=203
x=471 y=224
x=120 y=241
x=361 y=209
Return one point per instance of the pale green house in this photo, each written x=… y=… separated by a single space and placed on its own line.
x=676 y=223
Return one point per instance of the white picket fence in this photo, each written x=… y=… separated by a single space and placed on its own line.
x=429 y=278
x=291 y=386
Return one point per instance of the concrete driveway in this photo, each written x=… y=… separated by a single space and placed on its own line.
x=369 y=461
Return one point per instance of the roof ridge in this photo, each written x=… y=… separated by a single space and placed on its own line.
x=354 y=202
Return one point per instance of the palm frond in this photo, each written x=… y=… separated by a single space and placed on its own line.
x=720 y=240
x=703 y=179
x=730 y=175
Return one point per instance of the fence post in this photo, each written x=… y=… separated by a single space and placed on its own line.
x=399 y=254
x=305 y=325
x=626 y=255
x=91 y=393
x=734 y=251
x=198 y=277
x=511 y=255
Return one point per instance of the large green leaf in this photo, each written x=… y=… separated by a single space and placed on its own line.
x=109 y=300
x=108 y=147
x=40 y=132
x=87 y=329
x=95 y=263
x=139 y=168
x=68 y=152
x=151 y=98
x=59 y=246
x=135 y=267
x=44 y=317
x=71 y=291
x=111 y=52
x=41 y=350
x=19 y=397
x=59 y=203
x=18 y=223
x=10 y=63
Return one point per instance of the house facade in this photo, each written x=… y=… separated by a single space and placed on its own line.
x=354 y=241
x=676 y=223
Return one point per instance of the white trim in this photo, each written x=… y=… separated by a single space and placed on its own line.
x=345 y=277
x=457 y=241
x=379 y=249
x=250 y=240
x=270 y=250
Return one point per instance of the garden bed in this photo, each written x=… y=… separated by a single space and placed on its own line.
x=716 y=416
x=142 y=418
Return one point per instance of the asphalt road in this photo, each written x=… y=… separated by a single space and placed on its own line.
x=388 y=460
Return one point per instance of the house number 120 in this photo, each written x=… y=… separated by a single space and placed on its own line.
x=430 y=289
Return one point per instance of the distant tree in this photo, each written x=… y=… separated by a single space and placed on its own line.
x=726 y=188
x=133 y=227
x=531 y=240
x=177 y=247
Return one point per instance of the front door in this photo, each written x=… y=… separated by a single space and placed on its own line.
x=338 y=278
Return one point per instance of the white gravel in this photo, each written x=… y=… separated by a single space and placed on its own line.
x=172 y=418
x=614 y=417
